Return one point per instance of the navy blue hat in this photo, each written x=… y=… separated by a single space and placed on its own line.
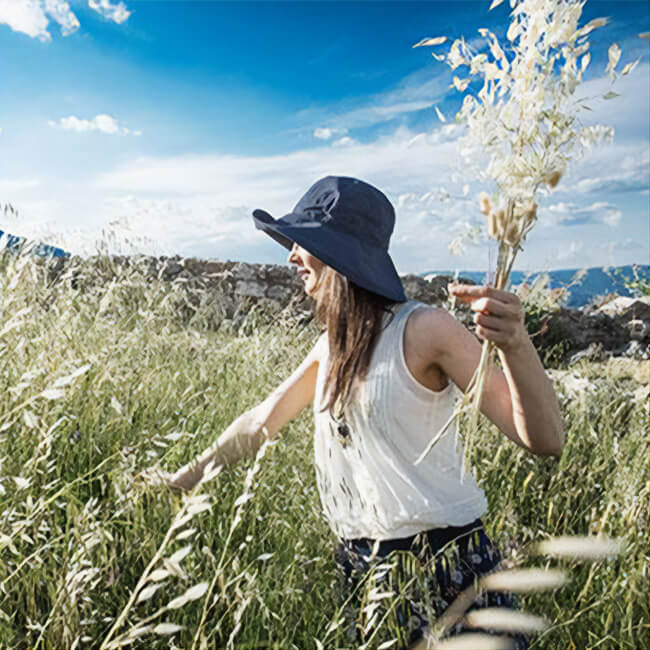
x=346 y=224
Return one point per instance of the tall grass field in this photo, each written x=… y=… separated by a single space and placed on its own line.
x=105 y=373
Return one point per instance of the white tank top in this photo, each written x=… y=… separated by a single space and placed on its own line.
x=369 y=485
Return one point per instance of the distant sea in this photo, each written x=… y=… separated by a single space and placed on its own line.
x=596 y=282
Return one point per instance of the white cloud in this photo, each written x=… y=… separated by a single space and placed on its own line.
x=103 y=123
x=421 y=174
x=116 y=12
x=376 y=114
x=621 y=167
x=387 y=160
x=200 y=204
x=345 y=141
x=27 y=17
x=323 y=133
x=59 y=11
x=635 y=180
x=32 y=17
x=572 y=214
x=446 y=133
x=326 y=133
x=570 y=252
x=10 y=186
x=627 y=244
x=416 y=92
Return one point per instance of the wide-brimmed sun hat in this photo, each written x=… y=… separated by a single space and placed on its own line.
x=346 y=224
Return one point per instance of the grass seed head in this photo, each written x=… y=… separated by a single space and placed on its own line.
x=553 y=178
x=493 y=231
x=524 y=580
x=484 y=203
x=475 y=641
x=505 y=620
x=580 y=548
x=513 y=233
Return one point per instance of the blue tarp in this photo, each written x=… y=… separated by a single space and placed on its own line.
x=14 y=242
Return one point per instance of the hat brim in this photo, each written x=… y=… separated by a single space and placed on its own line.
x=367 y=266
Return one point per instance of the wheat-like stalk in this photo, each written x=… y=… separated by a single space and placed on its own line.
x=151 y=578
x=162 y=380
x=524 y=119
x=240 y=502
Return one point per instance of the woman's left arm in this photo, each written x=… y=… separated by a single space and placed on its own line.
x=520 y=399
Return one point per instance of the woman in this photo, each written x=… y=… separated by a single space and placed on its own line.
x=383 y=380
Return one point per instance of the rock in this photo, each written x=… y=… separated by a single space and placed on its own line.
x=622 y=304
x=207 y=267
x=227 y=290
x=283 y=274
x=572 y=383
x=576 y=331
x=244 y=271
x=594 y=352
x=432 y=290
x=252 y=288
x=637 y=350
x=616 y=306
x=279 y=293
x=639 y=329
x=171 y=269
x=638 y=310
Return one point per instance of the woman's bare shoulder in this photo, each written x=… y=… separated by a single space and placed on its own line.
x=427 y=319
x=431 y=330
x=424 y=337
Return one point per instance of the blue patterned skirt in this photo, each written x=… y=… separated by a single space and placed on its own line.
x=405 y=584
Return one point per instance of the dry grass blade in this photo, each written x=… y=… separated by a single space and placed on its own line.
x=147 y=593
x=454 y=613
x=580 y=548
x=167 y=628
x=193 y=593
x=469 y=641
x=504 y=620
x=528 y=154
x=71 y=451
x=524 y=580
x=438 y=40
x=431 y=444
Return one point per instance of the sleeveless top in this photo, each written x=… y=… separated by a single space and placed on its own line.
x=368 y=483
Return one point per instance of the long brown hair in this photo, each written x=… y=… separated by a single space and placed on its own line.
x=353 y=319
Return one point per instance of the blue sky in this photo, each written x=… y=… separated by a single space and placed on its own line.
x=166 y=123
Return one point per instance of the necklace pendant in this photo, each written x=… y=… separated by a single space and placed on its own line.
x=343 y=434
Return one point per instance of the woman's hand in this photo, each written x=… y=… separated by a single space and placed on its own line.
x=156 y=477
x=498 y=314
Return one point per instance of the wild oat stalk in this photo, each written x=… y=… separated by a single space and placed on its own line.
x=240 y=502
x=151 y=580
x=524 y=118
x=514 y=580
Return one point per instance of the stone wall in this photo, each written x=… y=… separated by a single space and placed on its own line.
x=614 y=329
x=272 y=286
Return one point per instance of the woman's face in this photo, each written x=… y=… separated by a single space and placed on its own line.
x=310 y=268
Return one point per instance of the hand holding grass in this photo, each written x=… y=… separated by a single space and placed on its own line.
x=523 y=127
x=156 y=477
x=498 y=314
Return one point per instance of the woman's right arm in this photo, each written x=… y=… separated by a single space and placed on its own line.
x=247 y=433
